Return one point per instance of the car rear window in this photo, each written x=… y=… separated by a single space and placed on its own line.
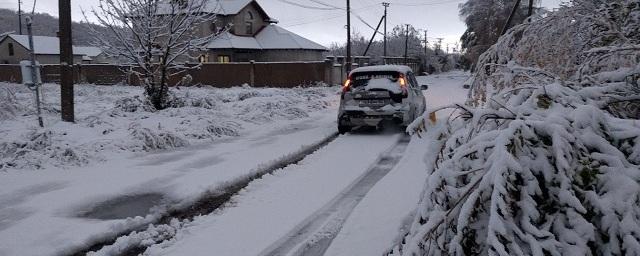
x=363 y=78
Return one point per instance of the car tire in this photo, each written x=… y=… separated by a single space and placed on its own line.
x=342 y=129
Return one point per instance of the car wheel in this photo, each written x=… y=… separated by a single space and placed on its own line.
x=342 y=129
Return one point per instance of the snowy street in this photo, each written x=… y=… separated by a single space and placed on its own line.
x=319 y=128
x=324 y=204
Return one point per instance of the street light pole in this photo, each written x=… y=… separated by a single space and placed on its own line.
x=34 y=71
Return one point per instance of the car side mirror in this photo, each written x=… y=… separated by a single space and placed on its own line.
x=424 y=87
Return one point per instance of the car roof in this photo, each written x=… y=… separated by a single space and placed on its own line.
x=395 y=68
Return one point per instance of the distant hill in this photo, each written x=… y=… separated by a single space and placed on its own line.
x=47 y=25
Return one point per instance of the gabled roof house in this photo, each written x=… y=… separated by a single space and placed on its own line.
x=253 y=35
x=15 y=48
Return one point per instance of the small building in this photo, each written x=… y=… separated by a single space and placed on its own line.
x=15 y=48
x=252 y=35
x=91 y=55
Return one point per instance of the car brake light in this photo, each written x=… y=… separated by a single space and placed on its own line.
x=402 y=81
x=347 y=86
x=403 y=84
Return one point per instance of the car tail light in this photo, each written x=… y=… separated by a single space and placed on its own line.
x=403 y=82
x=347 y=86
x=403 y=85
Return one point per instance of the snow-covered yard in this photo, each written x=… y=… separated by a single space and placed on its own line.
x=114 y=120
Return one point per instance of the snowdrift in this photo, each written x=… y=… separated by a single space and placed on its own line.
x=544 y=159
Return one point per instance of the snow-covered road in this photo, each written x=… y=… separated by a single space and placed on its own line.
x=351 y=197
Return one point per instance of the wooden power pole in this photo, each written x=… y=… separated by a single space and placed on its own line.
x=426 y=42
x=530 y=8
x=66 y=61
x=347 y=60
x=386 y=5
x=20 y=16
x=406 y=46
x=513 y=13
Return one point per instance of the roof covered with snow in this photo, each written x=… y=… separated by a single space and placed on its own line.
x=227 y=7
x=220 y=7
x=87 y=50
x=48 y=45
x=271 y=37
x=382 y=68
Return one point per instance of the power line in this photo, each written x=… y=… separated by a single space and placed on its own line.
x=309 y=7
x=326 y=4
x=427 y=4
x=302 y=21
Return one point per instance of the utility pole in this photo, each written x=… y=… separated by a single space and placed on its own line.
x=513 y=13
x=386 y=5
x=530 y=8
x=439 y=45
x=66 y=61
x=406 y=45
x=20 y=16
x=373 y=37
x=426 y=43
x=347 y=60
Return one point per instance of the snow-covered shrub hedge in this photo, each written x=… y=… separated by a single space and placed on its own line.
x=545 y=158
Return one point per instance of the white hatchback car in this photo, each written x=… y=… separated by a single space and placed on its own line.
x=376 y=93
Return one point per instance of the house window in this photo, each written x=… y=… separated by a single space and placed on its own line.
x=11 y=50
x=223 y=59
x=249 y=26
x=249 y=23
x=203 y=58
x=214 y=27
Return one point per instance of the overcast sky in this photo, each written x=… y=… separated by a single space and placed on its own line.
x=439 y=17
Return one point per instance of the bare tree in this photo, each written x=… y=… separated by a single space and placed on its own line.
x=157 y=37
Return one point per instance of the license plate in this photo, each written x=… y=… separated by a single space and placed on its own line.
x=374 y=103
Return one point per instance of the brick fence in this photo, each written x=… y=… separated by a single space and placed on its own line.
x=284 y=74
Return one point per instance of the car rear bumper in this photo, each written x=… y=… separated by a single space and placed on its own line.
x=355 y=116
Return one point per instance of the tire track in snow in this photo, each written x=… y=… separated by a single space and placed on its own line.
x=313 y=236
x=207 y=204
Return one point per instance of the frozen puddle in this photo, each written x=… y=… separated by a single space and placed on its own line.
x=124 y=207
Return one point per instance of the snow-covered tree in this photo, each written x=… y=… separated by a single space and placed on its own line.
x=485 y=20
x=545 y=157
x=156 y=37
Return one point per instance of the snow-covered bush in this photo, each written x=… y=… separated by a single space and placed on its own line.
x=151 y=140
x=545 y=160
x=37 y=149
x=9 y=107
